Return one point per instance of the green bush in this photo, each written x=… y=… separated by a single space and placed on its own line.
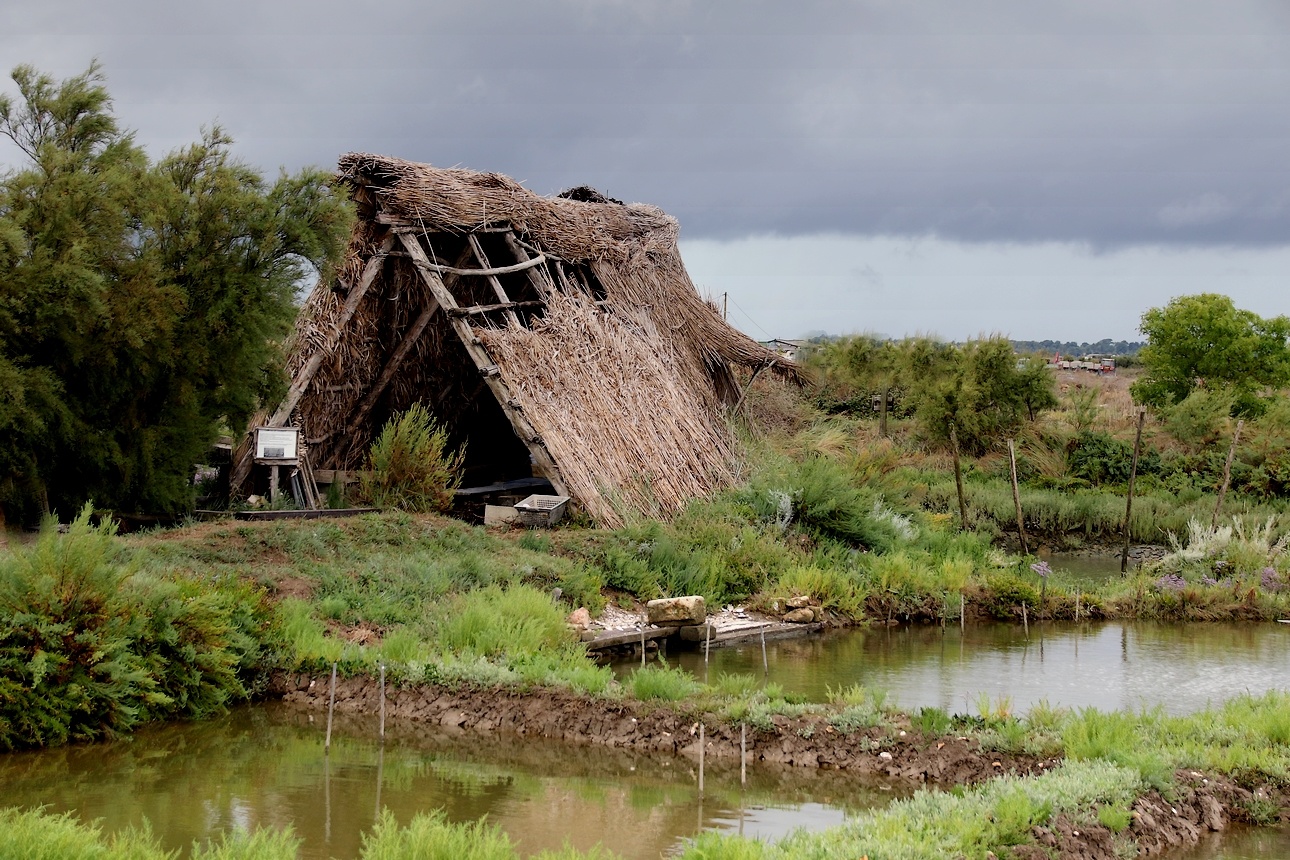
x=90 y=648
x=410 y=467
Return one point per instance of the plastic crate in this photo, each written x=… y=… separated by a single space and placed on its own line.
x=542 y=511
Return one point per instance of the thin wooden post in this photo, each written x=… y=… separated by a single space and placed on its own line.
x=765 y=662
x=644 y=623
x=707 y=642
x=1128 y=502
x=1016 y=497
x=1025 y=619
x=1227 y=473
x=382 y=701
x=701 y=756
x=958 y=477
x=273 y=485
x=743 y=753
x=882 y=414
x=962 y=613
x=331 y=707
x=1078 y=595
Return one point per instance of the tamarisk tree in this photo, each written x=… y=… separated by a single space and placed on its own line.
x=142 y=304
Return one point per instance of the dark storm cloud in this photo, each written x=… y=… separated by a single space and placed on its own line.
x=1111 y=123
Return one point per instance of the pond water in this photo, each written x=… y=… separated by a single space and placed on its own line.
x=1243 y=843
x=265 y=766
x=1111 y=666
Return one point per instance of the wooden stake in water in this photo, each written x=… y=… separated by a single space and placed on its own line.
x=382 y=701
x=765 y=663
x=331 y=706
x=644 y=622
x=707 y=641
x=743 y=753
x=701 y=746
x=1077 y=597
x=1025 y=620
x=962 y=613
x=1128 y=501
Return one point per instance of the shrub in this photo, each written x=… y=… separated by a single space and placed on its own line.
x=89 y=648
x=409 y=465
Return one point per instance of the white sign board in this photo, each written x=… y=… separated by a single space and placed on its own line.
x=276 y=443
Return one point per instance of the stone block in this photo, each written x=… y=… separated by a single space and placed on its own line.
x=676 y=611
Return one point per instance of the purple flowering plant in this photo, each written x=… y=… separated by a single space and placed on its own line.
x=1042 y=569
x=1171 y=582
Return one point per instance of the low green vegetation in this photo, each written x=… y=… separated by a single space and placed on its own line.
x=35 y=835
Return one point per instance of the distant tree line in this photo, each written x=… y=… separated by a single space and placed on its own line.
x=1106 y=346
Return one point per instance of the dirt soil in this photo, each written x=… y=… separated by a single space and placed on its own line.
x=1200 y=804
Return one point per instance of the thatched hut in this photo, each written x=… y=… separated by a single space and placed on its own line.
x=556 y=336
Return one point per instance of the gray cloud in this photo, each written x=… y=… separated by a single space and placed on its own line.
x=1090 y=121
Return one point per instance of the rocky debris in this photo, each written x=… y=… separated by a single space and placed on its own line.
x=579 y=618
x=676 y=611
x=799 y=602
x=804 y=615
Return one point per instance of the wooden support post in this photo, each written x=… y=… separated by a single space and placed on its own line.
x=273 y=485
x=958 y=477
x=1016 y=497
x=475 y=349
x=882 y=414
x=1227 y=473
x=382 y=702
x=1128 y=501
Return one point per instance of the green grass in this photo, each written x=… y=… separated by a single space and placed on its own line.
x=35 y=835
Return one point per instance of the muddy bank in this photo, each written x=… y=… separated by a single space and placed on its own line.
x=889 y=752
x=1198 y=804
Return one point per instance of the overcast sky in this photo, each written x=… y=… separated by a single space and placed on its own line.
x=1042 y=169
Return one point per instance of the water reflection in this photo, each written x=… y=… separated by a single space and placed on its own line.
x=1109 y=666
x=264 y=766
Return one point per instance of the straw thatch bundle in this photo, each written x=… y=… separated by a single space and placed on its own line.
x=561 y=333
